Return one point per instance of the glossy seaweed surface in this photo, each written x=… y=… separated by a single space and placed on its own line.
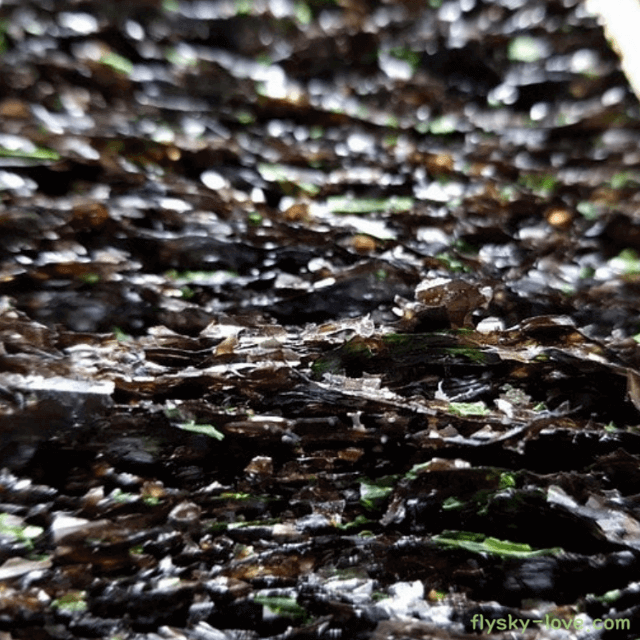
x=318 y=319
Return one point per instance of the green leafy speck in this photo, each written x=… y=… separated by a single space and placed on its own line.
x=179 y=59
x=309 y=188
x=622 y=179
x=171 y=6
x=340 y=204
x=469 y=408
x=39 y=153
x=406 y=55
x=303 y=13
x=471 y=353
x=452 y=263
x=541 y=184
x=255 y=218
x=244 y=7
x=444 y=125
x=381 y=275
x=283 y=606
x=123 y=497
x=452 y=504
x=12 y=527
x=627 y=261
x=120 y=335
x=413 y=473
x=203 y=429
x=525 y=49
x=507 y=480
x=245 y=117
x=72 y=601
x=90 y=278
x=607 y=598
x=117 y=63
x=373 y=493
x=356 y=523
x=479 y=543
